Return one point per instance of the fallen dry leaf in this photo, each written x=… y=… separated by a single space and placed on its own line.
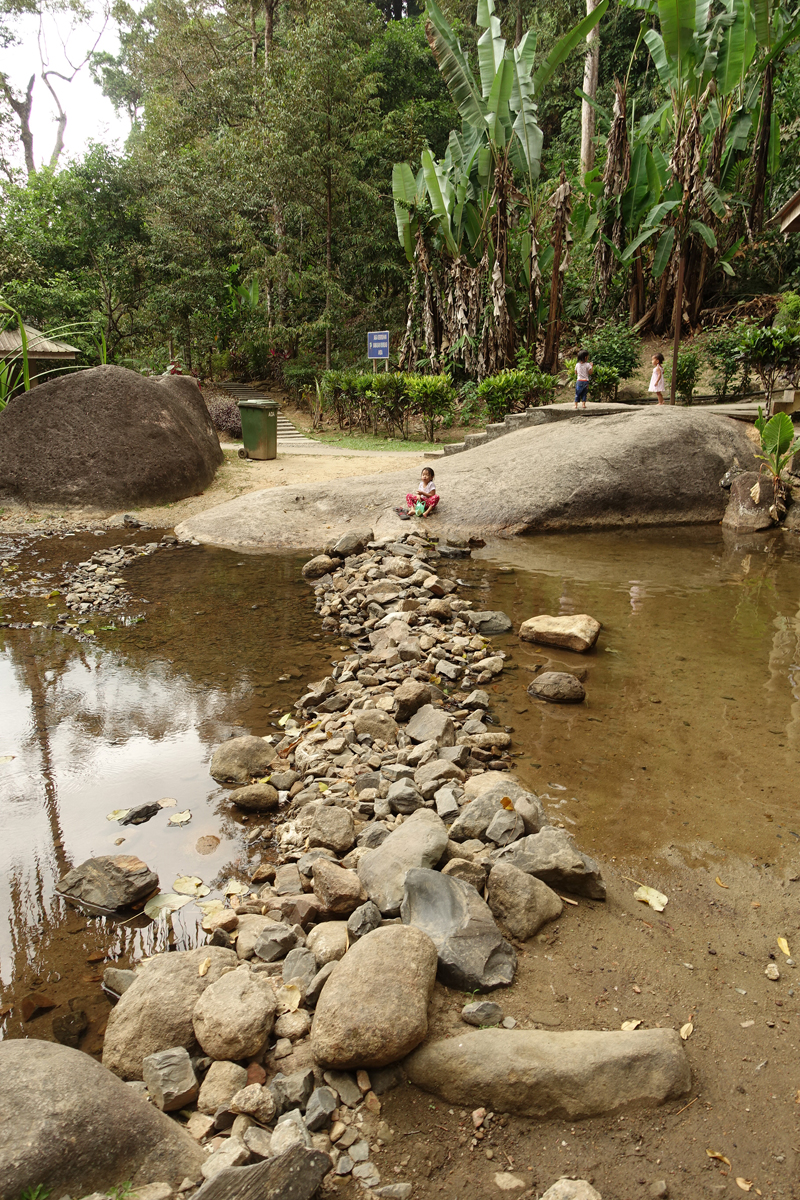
x=181 y=818
x=755 y=904
x=628 y=1025
x=755 y=492
x=744 y=1184
x=187 y=885
x=4 y=758
x=719 y=1157
x=207 y=844
x=784 y=946
x=235 y=888
x=648 y=895
x=168 y=802
x=719 y=881
x=203 y=968
x=687 y=1030
x=117 y=814
x=507 y=805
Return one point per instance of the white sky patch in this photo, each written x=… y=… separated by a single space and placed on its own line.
x=90 y=114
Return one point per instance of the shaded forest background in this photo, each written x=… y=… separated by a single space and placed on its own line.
x=248 y=227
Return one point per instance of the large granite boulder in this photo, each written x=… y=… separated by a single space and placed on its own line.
x=110 y=882
x=655 y=466
x=108 y=437
x=534 y=1073
x=70 y=1126
x=241 y=759
x=374 y=1007
x=155 y=1013
x=471 y=951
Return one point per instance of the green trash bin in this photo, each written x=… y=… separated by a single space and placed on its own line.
x=259 y=428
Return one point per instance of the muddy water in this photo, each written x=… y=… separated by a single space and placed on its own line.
x=688 y=743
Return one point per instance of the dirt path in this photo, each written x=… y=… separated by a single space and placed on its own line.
x=235 y=477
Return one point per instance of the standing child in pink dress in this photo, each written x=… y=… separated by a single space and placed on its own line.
x=657 y=378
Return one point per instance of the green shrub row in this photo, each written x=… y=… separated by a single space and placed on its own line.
x=364 y=401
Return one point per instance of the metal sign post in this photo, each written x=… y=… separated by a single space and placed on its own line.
x=378 y=347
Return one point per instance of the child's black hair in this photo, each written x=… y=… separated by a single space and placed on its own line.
x=433 y=473
x=659 y=357
x=582 y=356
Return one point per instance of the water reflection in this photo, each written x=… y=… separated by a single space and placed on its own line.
x=98 y=727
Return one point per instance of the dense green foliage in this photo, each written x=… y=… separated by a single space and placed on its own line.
x=289 y=161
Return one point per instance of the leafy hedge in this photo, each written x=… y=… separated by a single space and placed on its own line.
x=515 y=389
x=226 y=416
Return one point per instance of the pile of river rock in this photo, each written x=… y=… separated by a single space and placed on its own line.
x=405 y=854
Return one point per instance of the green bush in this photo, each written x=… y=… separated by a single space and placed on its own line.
x=615 y=345
x=603 y=383
x=769 y=352
x=732 y=374
x=788 y=315
x=433 y=398
x=503 y=393
x=391 y=402
x=299 y=376
x=686 y=377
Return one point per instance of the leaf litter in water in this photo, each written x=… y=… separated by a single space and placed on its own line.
x=207 y=844
x=168 y=802
x=211 y=906
x=657 y=900
x=164 y=904
x=190 y=885
x=117 y=814
x=181 y=818
x=4 y=758
x=235 y=888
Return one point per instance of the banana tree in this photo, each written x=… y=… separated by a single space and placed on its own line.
x=469 y=200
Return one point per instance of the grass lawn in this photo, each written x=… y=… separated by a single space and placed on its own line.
x=365 y=441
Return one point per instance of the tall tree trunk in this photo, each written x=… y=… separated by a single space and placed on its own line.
x=270 y=8
x=22 y=108
x=677 y=321
x=253 y=36
x=518 y=24
x=591 y=72
x=761 y=154
x=328 y=263
x=563 y=206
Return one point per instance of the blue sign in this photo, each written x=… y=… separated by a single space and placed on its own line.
x=378 y=344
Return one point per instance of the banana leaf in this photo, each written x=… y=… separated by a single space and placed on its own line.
x=491 y=51
x=678 y=21
x=663 y=252
x=404 y=192
x=454 y=67
x=565 y=45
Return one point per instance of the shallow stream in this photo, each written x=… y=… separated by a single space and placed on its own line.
x=688 y=744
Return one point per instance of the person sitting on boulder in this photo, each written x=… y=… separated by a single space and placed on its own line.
x=425 y=497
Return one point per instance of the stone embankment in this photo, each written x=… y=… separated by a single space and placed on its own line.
x=407 y=854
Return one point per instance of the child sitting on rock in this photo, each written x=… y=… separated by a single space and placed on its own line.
x=425 y=495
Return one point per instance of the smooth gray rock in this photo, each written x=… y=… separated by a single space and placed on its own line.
x=432 y=775
x=563 y=474
x=476 y=817
x=489 y=622
x=274 y=942
x=521 y=901
x=241 y=759
x=110 y=882
x=234 y=1016
x=482 y=1013
x=455 y=754
x=419 y=842
x=294 y=1175
x=395 y=771
x=321 y=564
x=69 y=1125
x=447 y=807
x=472 y=954
x=322 y=1103
x=372 y=835
x=374 y=1007
x=361 y=922
x=155 y=1013
x=292 y=1091
x=534 y=1073
x=405 y=797
x=409 y=697
x=551 y=856
x=332 y=829
x=376 y=723
x=255 y=797
x=431 y=724
x=573 y=1189
x=477 y=699
x=170 y=1078
x=301 y=963
x=345 y=1087
x=557 y=687
x=506 y=826
x=118 y=980
x=318 y=983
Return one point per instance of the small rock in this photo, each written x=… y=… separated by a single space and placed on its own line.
x=255 y=797
x=577 y=633
x=359 y=1151
x=293 y=1025
x=290 y=1131
x=152 y=1191
x=322 y=1103
x=315 y=568
x=487 y=623
x=110 y=882
x=404 y=797
x=345 y=1087
x=345 y=1165
x=338 y=890
x=292 y=1092
x=318 y=983
x=659 y=1189
x=367 y=1173
x=409 y=697
x=200 y=1125
x=772 y=972
x=333 y=829
x=362 y=921
x=521 y=901
x=482 y=1013
x=69 y=1028
x=470 y=872
x=571 y=1189
x=432 y=724
x=419 y=842
x=377 y=724
x=223 y=1080
x=234 y=1016
x=508 y=1182
x=552 y=856
x=254 y=1101
x=274 y=942
x=505 y=827
x=170 y=1078
x=394 y=1191
x=118 y=980
x=232 y=1153
x=258 y=1141
x=241 y=759
x=559 y=687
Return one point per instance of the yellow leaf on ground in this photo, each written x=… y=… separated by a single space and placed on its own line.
x=628 y=1025
x=203 y=968
x=507 y=805
x=744 y=1184
x=784 y=946
x=720 y=1157
x=687 y=1030
x=721 y=884
x=648 y=895
x=187 y=885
